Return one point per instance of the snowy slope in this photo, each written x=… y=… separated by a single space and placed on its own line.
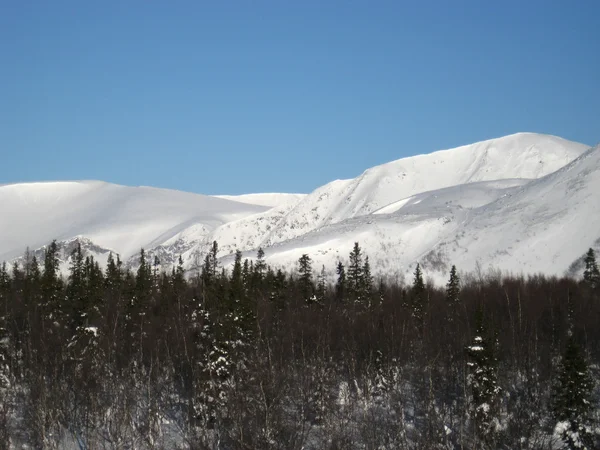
x=119 y=218
x=544 y=226
x=516 y=225
x=489 y=202
x=267 y=199
x=523 y=155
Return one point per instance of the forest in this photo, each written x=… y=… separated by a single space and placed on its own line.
x=250 y=357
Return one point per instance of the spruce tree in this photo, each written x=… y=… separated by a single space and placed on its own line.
x=418 y=297
x=260 y=266
x=51 y=285
x=237 y=278
x=210 y=266
x=483 y=381
x=453 y=287
x=591 y=274
x=305 y=279
x=341 y=283
x=321 y=286
x=76 y=292
x=278 y=290
x=572 y=404
x=355 y=273
x=572 y=394
x=366 y=291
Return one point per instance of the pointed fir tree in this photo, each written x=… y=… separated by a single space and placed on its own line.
x=305 y=282
x=418 y=297
x=212 y=369
x=572 y=404
x=355 y=273
x=94 y=292
x=572 y=395
x=237 y=278
x=278 y=290
x=366 y=291
x=260 y=268
x=211 y=266
x=591 y=273
x=341 y=282
x=76 y=289
x=51 y=285
x=114 y=274
x=483 y=381
x=453 y=293
x=321 y=286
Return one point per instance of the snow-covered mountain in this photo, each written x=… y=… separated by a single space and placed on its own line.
x=118 y=218
x=525 y=202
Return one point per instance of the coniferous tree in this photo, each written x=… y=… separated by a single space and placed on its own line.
x=321 y=286
x=453 y=288
x=278 y=291
x=453 y=294
x=367 y=282
x=340 y=285
x=572 y=402
x=237 y=278
x=572 y=394
x=114 y=272
x=260 y=267
x=483 y=380
x=418 y=296
x=591 y=273
x=94 y=291
x=76 y=291
x=355 y=273
x=246 y=272
x=51 y=284
x=305 y=279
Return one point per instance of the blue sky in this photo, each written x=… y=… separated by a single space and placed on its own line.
x=257 y=96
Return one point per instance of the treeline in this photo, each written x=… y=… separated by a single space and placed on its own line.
x=252 y=358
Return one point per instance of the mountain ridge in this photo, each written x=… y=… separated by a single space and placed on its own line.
x=406 y=211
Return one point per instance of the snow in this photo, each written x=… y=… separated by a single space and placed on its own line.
x=267 y=199
x=522 y=203
x=120 y=218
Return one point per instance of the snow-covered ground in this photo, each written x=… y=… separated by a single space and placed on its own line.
x=521 y=203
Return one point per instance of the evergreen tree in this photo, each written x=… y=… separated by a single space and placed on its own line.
x=94 y=292
x=418 y=296
x=278 y=290
x=51 y=284
x=366 y=290
x=355 y=273
x=213 y=368
x=321 y=286
x=305 y=279
x=453 y=287
x=76 y=292
x=260 y=266
x=591 y=274
x=340 y=285
x=246 y=272
x=572 y=399
x=483 y=380
x=237 y=278
x=114 y=274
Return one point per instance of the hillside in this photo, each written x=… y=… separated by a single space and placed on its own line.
x=505 y=202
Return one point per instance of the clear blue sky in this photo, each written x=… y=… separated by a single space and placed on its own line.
x=257 y=96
